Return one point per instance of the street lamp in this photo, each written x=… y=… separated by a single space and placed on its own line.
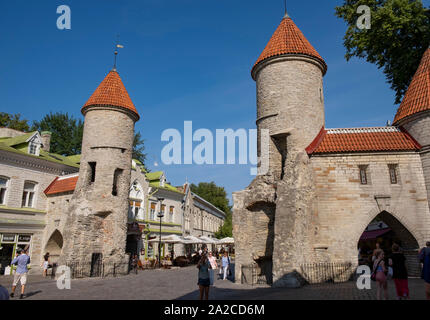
x=160 y=215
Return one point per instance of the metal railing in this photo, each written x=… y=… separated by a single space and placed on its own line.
x=253 y=275
x=97 y=270
x=330 y=272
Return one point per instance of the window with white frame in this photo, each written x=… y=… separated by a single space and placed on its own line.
x=163 y=212
x=135 y=208
x=32 y=148
x=28 y=194
x=171 y=213
x=3 y=188
x=152 y=211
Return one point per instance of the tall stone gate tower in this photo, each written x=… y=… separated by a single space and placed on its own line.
x=290 y=104
x=325 y=186
x=414 y=113
x=97 y=220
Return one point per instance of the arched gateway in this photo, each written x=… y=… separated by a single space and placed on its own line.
x=54 y=245
x=324 y=186
x=388 y=231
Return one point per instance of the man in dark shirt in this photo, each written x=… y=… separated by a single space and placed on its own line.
x=400 y=274
x=425 y=260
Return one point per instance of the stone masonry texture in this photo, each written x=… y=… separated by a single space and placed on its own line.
x=97 y=219
x=313 y=209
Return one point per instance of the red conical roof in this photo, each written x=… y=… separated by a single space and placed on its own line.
x=288 y=39
x=417 y=97
x=112 y=92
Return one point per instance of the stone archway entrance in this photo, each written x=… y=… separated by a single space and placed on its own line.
x=385 y=229
x=54 y=246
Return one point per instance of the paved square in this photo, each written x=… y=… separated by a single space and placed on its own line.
x=182 y=284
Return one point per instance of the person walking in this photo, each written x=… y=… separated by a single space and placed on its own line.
x=204 y=278
x=400 y=273
x=45 y=264
x=214 y=266
x=425 y=275
x=380 y=271
x=378 y=247
x=134 y=263
x=22 y=262
x=225 y=264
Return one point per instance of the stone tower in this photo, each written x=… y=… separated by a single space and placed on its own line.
x=97 y=220
x=414 y=113
x=290 y=105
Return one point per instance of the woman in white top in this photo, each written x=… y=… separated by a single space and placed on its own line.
x=45 y=264
x=214 y=265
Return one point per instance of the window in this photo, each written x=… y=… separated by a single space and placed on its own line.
x=3 y=189
x=32 y=148
x=363 y=175
x=163 y=211
x=116 y=176
x=92 y=168
x=28 y=195
x=150 y=250
x=171 y=212
x=393 y=173
x=152 y=212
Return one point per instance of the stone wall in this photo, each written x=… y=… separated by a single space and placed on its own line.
x=17 y=176
x=345 y=206
x=97 y=220
x=25 y=221
x=290 y=102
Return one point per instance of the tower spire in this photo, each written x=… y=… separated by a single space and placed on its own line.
x=285 y=10
x=117 y=46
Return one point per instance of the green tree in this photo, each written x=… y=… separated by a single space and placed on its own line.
x=226 y=230
x=218 y=197
x=13 y=121
x=139 y=148
x=66 y=132
x=396 y=42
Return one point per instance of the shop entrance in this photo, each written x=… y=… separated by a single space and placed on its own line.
x=6 y=253
x=10 y=244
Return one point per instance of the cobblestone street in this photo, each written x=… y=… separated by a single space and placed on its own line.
x=182 y=284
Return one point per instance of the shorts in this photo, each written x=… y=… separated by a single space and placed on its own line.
x=20 y=277
x=45 y=265
x=204 y=282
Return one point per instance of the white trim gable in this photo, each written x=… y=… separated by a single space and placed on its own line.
x=34 y=144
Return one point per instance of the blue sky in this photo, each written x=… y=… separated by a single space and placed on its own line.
x=187 y=60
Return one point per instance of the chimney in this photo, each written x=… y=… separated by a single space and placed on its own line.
x=46 y=140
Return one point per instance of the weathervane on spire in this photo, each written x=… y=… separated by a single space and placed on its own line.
x=117 y=46
x=285 y=7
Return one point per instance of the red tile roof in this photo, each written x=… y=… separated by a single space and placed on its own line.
x=362 y=140
x=112 y=92
x=62 y=184
x=288 y=39
x=417 y=97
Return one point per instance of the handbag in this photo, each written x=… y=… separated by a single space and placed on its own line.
x=373 y=276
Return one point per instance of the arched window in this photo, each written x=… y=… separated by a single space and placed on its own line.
x=3 y=189
x=28 y=194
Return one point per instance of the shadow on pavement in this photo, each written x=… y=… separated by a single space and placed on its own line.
x=32 y=293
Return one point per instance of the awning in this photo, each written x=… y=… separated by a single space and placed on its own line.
x=368 y=235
